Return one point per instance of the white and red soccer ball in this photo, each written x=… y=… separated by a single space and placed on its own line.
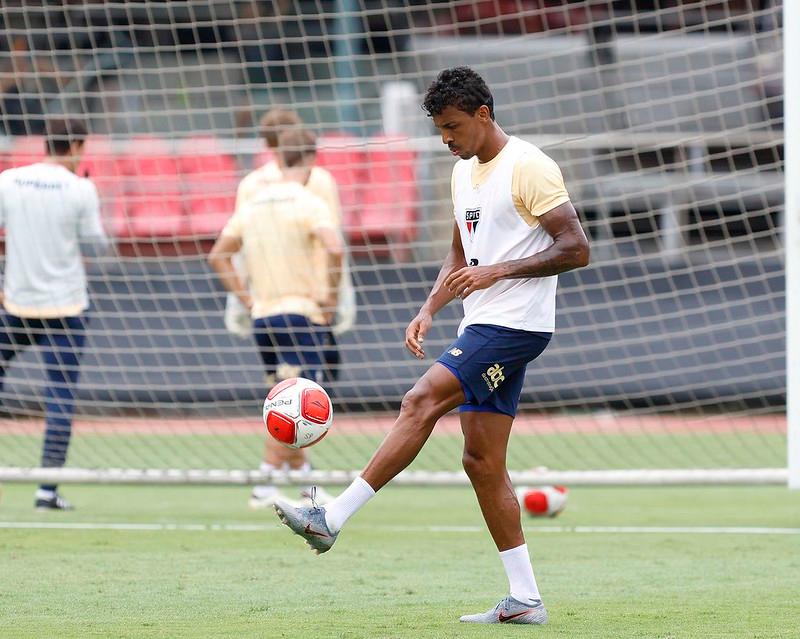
x=297 y=412
x=543 y=501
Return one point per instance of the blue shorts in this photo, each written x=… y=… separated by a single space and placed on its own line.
x=490 y=362
x=297 y=341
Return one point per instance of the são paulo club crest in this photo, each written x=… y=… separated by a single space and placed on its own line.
x=472 y=217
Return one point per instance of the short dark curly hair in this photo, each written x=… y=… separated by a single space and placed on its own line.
x=458 y=87
x=62 y=133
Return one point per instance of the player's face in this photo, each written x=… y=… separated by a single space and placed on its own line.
x=464 y=134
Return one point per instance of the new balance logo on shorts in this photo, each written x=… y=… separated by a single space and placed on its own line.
x=455 y=352
x=493 y=376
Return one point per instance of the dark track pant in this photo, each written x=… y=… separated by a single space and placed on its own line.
x=61 y=341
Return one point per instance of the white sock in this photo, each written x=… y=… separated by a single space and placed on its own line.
x=347 y=504
x=264 y=492
x=521 y=581
x=264 y=489
x=41 y=493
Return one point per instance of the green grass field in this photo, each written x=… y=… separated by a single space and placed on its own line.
x=567 y=451
x=194 y=562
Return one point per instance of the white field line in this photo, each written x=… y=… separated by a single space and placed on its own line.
x=602 y=530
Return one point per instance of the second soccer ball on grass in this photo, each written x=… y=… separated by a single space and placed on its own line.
x=543 y=501
x=297 y=412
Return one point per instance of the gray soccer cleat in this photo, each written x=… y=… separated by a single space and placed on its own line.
x=511 y=611
x=309 y=523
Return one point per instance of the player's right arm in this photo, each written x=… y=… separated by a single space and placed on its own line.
x=438 y=298
x=228 y=243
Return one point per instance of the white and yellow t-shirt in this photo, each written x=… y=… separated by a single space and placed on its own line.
x=276 y=226
x=497 y=205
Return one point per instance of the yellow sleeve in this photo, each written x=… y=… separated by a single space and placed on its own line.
x=537 y=186
x=234 y=226
x=324 y=187
x=319 y=213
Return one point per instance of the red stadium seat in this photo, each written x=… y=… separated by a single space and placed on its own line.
x=210 y=178
x=27 y=149
x=153 y=164
x=389 y=209
x=156 y=218
x=151 y=205
x=101 y=165
x=148 y=218
x=208 y=215
x=344 y=158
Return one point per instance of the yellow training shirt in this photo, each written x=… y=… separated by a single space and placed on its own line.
x=276 y=225
x=320 y=183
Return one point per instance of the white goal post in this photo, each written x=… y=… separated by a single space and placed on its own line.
x=791 y=21
x=675 y=355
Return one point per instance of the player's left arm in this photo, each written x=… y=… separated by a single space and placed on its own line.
x=569 y=250
x=325 y=226
x=93 y=239
x=331 y=240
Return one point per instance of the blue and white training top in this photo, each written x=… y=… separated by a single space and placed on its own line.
x=48 y=213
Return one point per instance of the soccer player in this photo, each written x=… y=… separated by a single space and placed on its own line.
x=515 y=230
x=281 y=227
x=51 y=218
x=322 y=184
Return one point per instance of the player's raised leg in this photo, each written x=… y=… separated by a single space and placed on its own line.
x=485 y=446
x=435 y=393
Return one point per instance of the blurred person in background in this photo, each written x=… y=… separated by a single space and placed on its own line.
x=51 y=219
x=291 y=251
x=322 y=184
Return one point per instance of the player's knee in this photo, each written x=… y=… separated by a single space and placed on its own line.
x=412 y=402
x=480 y=467
x=473 y=464
x=419 y=403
